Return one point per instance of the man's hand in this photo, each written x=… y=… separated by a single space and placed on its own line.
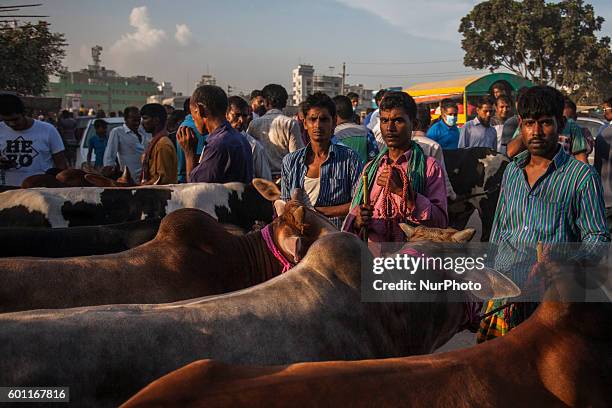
x=187 y=140
x=364 y=216
x=395 y=184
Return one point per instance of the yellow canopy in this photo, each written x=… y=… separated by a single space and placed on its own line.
x=450 y=87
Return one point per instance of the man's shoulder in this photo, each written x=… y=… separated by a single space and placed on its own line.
x=41 y=126
x=292 y=157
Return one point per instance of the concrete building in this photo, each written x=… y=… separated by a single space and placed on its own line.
x=164 y=91
x=206 y=79
x=97 y=86
x=302 y=80
x=328 y=84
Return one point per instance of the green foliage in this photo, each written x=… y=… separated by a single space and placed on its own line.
x=29 y=54
x=549 y=43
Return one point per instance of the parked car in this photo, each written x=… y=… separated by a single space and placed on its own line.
x=88 y=134
x=82 y=122
x=592 y=124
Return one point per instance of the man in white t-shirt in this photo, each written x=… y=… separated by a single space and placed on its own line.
x=27 y=146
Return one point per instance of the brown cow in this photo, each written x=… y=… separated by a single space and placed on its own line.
x=191 y=256
x=559 y=357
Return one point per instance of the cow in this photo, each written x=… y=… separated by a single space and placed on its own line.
x=191 y=256
x=475 y=174
x=559 y=357
x=76 y=241
x=311 y=313
x=231 y=203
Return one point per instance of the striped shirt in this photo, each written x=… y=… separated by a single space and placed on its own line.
x=475 y=134
x=338 y=176
x=564 y=205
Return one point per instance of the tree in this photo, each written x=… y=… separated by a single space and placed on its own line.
x=549 y=43
x=29 y=54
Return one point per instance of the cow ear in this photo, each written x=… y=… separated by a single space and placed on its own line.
x=463 y=236
x=298 y=215
x=267 y=189
x=100 y=181
x=408 y=230
x=279 y=207
x=493 y=285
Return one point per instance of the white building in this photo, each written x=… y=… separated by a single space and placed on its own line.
x=207 y=79
x=328 y=84
x=302 y=83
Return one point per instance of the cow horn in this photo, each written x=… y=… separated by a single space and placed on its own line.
x=126 y=177
x=157 y=182
x=267 y=189
x=464 y=235
x=407 y=230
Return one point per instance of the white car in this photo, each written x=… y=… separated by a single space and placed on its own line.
x=81 y=156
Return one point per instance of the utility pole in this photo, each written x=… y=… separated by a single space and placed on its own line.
x=343 y=91
x=229 y=89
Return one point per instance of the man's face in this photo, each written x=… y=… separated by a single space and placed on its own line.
x=484 y=113
x=319 y=124
x=396 y=128
x=101 y=131
x=497 y=92
x=237 y=118
x=607 y=109
x=452 y=111
x=132 y=120
x=540 y=135
x=502 y=109
x=150 y=123
x=355 y=102
x=16 y=121
x=258 y=105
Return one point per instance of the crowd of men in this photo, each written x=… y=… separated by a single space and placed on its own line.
x=365 y=177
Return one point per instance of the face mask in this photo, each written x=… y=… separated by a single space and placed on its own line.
x=450 y=120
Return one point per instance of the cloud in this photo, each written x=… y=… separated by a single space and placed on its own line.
x=183 y=34
x=143 y=39
x=421 y=18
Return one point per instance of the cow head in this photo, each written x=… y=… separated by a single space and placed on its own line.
x=125 y=180
x=297 y=226
x=73 y=178
x=420 y=233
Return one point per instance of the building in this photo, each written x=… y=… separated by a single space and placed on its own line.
x=305 y=83
x=328 y=84
x=164 y=92
x=98 y=87
x=302 y=83
x=206 y=79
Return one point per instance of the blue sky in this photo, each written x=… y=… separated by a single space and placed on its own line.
x=250 y=43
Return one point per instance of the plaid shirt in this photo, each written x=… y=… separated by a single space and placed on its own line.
x=338 y=176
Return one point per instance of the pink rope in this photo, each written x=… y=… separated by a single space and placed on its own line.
x=267 y=236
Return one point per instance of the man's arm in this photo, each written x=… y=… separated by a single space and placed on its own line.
x=59 y=160
x=89 y=153
x=340 y=210
x=285 y=181
x=110 y=154
x=591 y=214
x=164 y=164
x=463 y=137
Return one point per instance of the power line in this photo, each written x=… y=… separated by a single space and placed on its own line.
x=419 y=75
x=404 y=63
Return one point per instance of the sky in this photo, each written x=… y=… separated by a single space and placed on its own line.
x=247 y=44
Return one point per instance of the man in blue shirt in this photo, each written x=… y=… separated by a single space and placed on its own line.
x=478 y=132
x=445 y=130
x=188 y=121
x=98 y=142
x=327 y=172
x=227 y=155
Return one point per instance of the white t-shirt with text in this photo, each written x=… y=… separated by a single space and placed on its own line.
x=31 y=149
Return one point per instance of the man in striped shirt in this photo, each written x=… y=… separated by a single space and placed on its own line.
x=546 y=196
x=326 y=171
